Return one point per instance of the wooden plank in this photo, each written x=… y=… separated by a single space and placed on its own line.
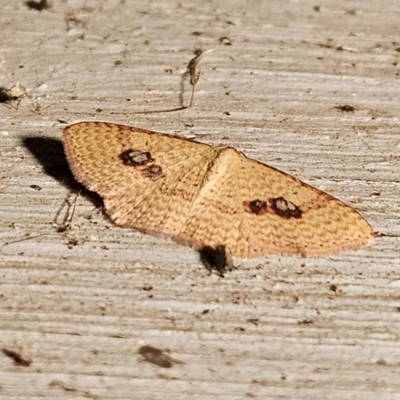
x=84 y=301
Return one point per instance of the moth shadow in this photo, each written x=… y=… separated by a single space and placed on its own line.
x=49 y=153
x=216 y=259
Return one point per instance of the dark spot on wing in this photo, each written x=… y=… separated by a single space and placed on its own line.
x=153 y=172
x=143 y=162
x=257 y=207
x=135 y=158
x=285 y=208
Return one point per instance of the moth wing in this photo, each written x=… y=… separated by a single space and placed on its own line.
x=256 y=210
x=147 y=180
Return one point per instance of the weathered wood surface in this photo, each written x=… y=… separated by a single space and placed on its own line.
x=84 y=301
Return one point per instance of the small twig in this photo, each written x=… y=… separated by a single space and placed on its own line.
x=22 y=240
x=194 y=72
x=69 y=215
x=68 y=221
x=21 y=356
x=153 y=111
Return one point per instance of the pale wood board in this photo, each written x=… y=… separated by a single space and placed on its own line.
x=84 y=301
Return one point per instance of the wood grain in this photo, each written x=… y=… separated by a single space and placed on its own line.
x=83 y=301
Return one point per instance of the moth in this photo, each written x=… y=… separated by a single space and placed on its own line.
x=207 y=197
